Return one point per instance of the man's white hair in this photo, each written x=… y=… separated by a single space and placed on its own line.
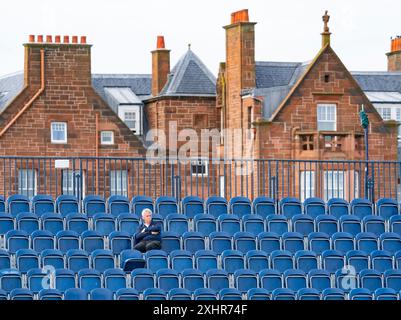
x=144 y=211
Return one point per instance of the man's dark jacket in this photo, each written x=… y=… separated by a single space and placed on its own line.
x=147 y=234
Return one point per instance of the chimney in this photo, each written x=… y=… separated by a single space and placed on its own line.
x=160 y=66
x=394 y=56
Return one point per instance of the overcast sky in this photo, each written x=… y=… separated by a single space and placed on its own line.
x=123 y=32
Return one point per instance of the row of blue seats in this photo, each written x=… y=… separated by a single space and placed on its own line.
x=192 y=206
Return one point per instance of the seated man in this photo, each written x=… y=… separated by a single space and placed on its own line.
x=148 y=234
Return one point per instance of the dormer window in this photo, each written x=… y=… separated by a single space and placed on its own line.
x=131 y=116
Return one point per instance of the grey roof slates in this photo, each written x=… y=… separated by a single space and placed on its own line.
x=10 y=86
x=378 y=81
x=274 y=74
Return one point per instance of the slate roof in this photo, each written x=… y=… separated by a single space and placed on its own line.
x=10 y=86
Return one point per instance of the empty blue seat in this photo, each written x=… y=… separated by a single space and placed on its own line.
x=92 y=240
x=64 y=279
x=374 y=224
x=314 y=207
x=77 y=222
x=119 y=241
x=6 y=223
x=294 y=279
x=392 y=279
x=327 y=224
x=205 y=294
x=77 y=260
x=127 y=294
x=385 y=294
x=217 y=279
x=52 y=258
x=192 y=206
x=333 y=260
x=258 y=294
x=131 y=259
x=102 y=259
x=52 y=222
x=366 y=241
x=101 y=294
x=269 y=241
x=67 y=240
x=293 y=241
x=370 y=279
x=319 y=279
x=142 y=279
x=50 y=294
x=205 y=223
x=16 y=239
x=38 y=279
x=156 y=259
x=397 y=260
x=351 y=224
x=387 y=208
x=67 y=204
x=192 y=279
x=270 y=279
x=264 y=206
x=2 y=204
x=303 y=224
x=42 y=240
x=283 y=294
x=290 y=207
x=308 y=294
x=93 y=204
x=205 y=260
x=21 y=294
x=245 y=279
x=343 y=242
x=42 y=204
x=390 y=241
x=230 y=294
x=75 y=294
x=5 y=260
x=337 y=207
x=346 y=279
x=281 y=260
x=305 y=260
x=179 y=294
x=104 y=223
x=166 y=205
x=27 y=222
x=89 y=279
x=171 y=241
x=361 y=208
x=381 y=260
x=277 y=224
x=128 y=222
x=240 y=206
x=360 y=294
x=167 y=279
x=181 y=259
x=216 y=206
x=253 y=223
x=232 y=260
x=17 y=203
x=177 y=223
x=10 y=279
x=117 y=204
x=154 y=294
x=244 y=241
x=220 y=241
x=139 y=203
x=395 y=224
x=229 y=223
x=318 y=242
x=333 y=294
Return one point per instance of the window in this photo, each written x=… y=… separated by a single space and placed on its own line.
x=130 y=119
x=307 y=184
x=119 y=182
x=59 y=132
x=385 y=113
x=107 y=137
x=27 y=182
x=333 y=184
x=199 y=168
x=326 y=78
x=222 y=187
x=71 y=182
x=326 y=117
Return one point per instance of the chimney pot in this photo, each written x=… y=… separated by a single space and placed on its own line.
x=83 y=39
x=74 y=39
x=66 y=39
x=57 y=39
x=49 y=39
x=240 y=16
x=40 y=38
x=31 y=38
x=160 y=42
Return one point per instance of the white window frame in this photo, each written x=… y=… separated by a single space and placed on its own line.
x=200 y=162
x=69 y=189
x=102 y=136
x=25 y=185
x=332 y=188
x=385 y=113
x=307 y=184
x=115 y=186
x=326 y=113
x=137 y=109
x=52 y=132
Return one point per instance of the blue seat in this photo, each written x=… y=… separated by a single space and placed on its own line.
x=385 y=294
x=395 y=224
x=205 y=260
x=290 y=207
x=89 y=279
x=303 y=224
x=374 y=224
x=387 y=208
x=381 y=260
x=16 y=239
x=52 y=258
x=360 y=294
x=156 y=260
x=229 y=223
x=308 y=294
x=397 y=260
x=50 y=294
x=192 y=206
x=370 y=279
x=119 y=241
x=230 y=294
x=305 y=260
x=131 y=259
x=264 y=206
x=220 y=241
x=67 y=204
x=244 y=241
x=67 y=240
x=253 y=223
x=205 y=294
x=170 y=241
x=332 y=260
x=258 y=294
x=93 y=204
x=205 y=223
x=216 y=206
x=346 y=279
x=92 y=240
x=27 y=222
x=6 y=223
x=319 y=279
x=293 y=241
x=128 y=222
x=36 y=278
x=281 y=260
x=327 y=224
x=154 y=294
x=319 y=242
x=102 y=259
x=17 y=203
x=142 y=279
x=390 y=241
x=76 y=294
x=52 y=222
x=361 y=208
x=167 y=279
x=42 y=240
x=64 y=279
x=392 y=279
x=77 y=260
x=101 y=294
x=166 y=205
x=139 y=203
x=104 y=223
x=269 y=241
x=179 y=294
x=77 y=222
x=181 y=259
x=294 y=279
x=245 y=279
x=366 y=241
x=240 y=206
x=343 y=241
x=217 y=279
x=10 y=279
x=256 y=260
x=5 y=259
x=192 y=279
x=314 y=207
x=2 y=204
x=350 y=224
x=277 y=224
x=333 y=294
x=177 y=223
x=21 y=294
x=117 y=204
x=42 y=204
x=283 y=294
x=270 y=279
x=127 y=294
x=337 y=207
x=232 y=260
